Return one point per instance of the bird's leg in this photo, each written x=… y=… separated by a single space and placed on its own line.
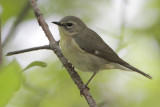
x=90 y=78
x=85 y=86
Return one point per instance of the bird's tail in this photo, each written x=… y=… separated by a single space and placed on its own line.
x=137 y=70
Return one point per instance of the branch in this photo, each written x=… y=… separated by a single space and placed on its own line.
x=19 y=18
x=54 y=46
x=27 y=50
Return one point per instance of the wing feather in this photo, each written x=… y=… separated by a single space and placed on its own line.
x=92 y=43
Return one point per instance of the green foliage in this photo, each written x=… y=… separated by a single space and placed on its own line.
x=10 y=81
x=36 y=63
x=153 y=9
x=55 y=88
x=71 y=7
x=52 y=88
x=11 y=8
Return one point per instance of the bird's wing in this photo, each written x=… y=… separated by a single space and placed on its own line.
x=93 y=44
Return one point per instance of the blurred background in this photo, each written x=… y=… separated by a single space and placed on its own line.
x=130 y=27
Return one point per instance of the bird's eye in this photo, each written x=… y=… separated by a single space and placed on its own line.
x=69 y=24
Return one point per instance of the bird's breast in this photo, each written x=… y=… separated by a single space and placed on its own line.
x=70 y=49
x=80 y=59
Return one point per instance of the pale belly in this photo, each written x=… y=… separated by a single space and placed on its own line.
x=81 y=60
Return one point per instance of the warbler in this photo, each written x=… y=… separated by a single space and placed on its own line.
x=86 y=50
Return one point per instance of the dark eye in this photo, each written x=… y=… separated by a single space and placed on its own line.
x=69 y=24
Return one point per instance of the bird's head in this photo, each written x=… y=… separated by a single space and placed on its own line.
x=70 y=25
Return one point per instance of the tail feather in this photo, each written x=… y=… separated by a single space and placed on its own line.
x=137 y=70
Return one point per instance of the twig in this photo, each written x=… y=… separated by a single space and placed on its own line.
x=19 y=18
x=28 y=50
x=54 y=46
x=0 y=44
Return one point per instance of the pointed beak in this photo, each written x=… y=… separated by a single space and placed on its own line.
x=57 y=23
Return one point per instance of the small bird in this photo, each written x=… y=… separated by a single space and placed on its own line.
x=86 y=50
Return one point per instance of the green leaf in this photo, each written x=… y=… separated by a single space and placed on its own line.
x=10 y=81
x=36 y=63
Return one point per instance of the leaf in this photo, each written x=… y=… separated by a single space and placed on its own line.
x=36 y=63
x=10 y=81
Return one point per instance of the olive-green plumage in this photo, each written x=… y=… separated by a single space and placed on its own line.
x=86 y=50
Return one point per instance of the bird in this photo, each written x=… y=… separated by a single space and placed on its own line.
x=86 y=50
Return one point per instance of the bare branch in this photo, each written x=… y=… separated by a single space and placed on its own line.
x=19 y=18
x=54 y=46
x=28 y=50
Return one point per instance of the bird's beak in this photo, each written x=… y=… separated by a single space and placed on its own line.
x=57 y=23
